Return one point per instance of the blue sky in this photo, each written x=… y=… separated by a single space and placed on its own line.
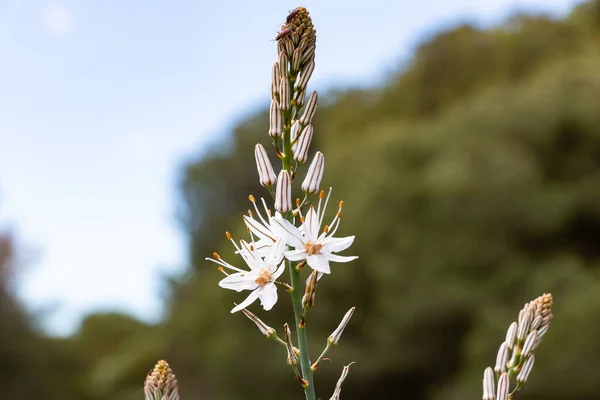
x=101 y=102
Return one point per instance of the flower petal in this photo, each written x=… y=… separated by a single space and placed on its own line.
x=258 y=229
x=290 y=234
x=319 y=263
x=331 y=244
x=311 y=225
x=338 y=258
x=249 y=300
x=279 y=271
x=268 y=296
x=239 y=281
x=276 y=254
x=296 y=255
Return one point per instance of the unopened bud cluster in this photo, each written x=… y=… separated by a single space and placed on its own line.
x=516 y=354
x=290 y=117
x=161 y=384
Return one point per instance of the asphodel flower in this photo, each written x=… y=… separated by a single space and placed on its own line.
x=264 y=238
x=317 y=249
x=260 y=279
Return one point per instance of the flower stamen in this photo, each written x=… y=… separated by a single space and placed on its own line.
x=313 y=248
x=263 y=278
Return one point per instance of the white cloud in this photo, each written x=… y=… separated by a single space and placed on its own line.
x=57 y=19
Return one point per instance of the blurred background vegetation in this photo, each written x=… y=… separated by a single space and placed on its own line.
x=472 y=181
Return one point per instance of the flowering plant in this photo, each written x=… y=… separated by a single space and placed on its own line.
x=290 y=235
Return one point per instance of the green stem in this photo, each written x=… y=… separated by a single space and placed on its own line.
x=323 y=354
x=307 y=373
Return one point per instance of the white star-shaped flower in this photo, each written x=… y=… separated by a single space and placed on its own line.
x=317 y=249
x=267 y=244
x=260 y=278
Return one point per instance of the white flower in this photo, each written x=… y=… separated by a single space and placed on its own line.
x=267 y=244
x=308 y=245
x=260 y=279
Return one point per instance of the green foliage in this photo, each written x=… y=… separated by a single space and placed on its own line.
x=472 y=182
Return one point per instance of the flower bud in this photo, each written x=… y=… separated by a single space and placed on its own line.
x=284 y=94
x=275 y=130
x=275 y=76
x=309 y=293
x=503 y=387
x=303 y=43
x=526 y=369
x=489 y=385
x=537 y=321
x=283 y=192
x=161 y=383
x=542 y=331
x=310 y=109
x=314 y=175
x=305 y=75
x=301 y=148
x=308 y=55
x=295 y=130
x=295 y=38
x=529 y=342
x=289 y=48
x=511 y=335
x=264 y=328
x=334 y=338
x=524 y=321
x=501 y=358
x=296 y=60
x=300 y=97
x=292 y=357
x=338 y=386
x=283 y=66
x=266 y=175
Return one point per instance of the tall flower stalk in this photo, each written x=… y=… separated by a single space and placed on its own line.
x=294 y=236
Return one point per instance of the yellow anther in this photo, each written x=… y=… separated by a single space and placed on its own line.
x=228 y=235
x=298 y=202
x=216 y=255
x=322 y=194
x=252 y=199
x=326 y=229
x=341 y=203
